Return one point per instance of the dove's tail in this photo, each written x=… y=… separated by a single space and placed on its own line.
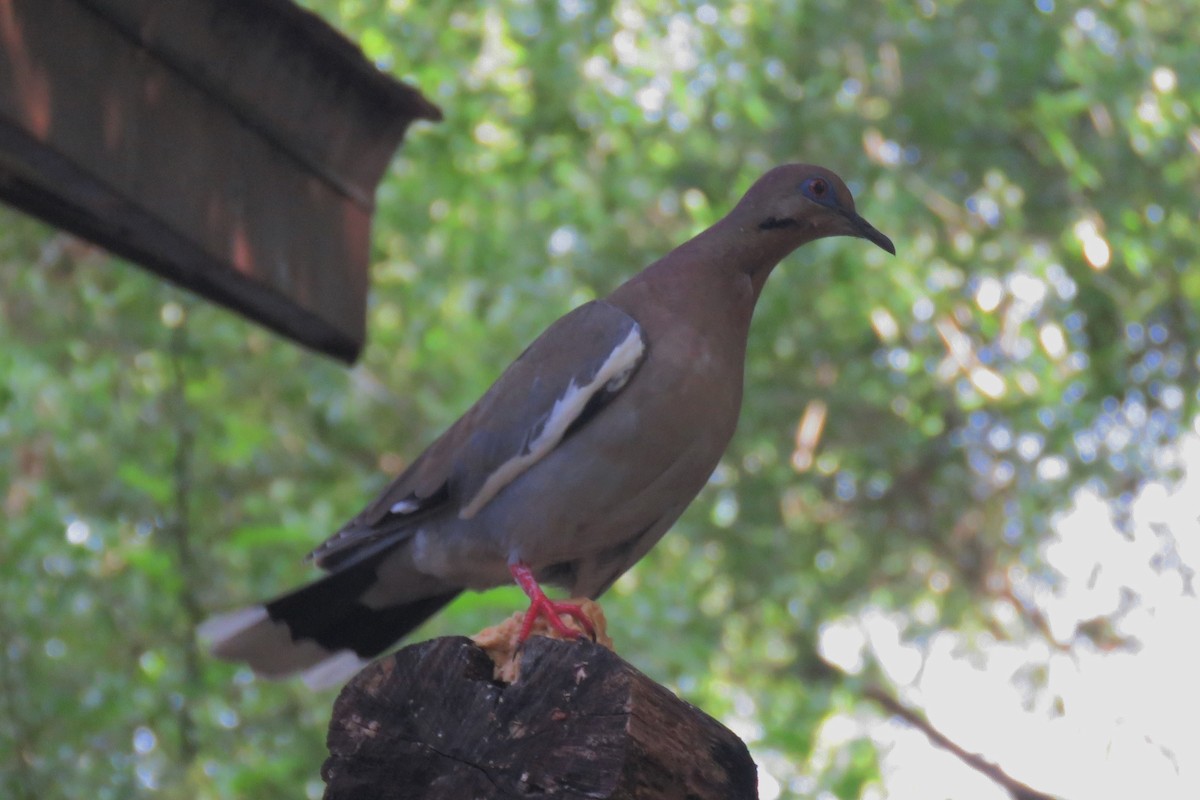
x=326 y=631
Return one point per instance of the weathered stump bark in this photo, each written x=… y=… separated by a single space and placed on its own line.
x=431 y=723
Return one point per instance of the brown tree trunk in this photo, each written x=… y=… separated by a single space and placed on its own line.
x=432 y=723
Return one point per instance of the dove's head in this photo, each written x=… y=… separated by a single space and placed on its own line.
x=803 y=202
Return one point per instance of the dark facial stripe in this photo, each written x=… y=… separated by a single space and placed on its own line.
x=771 y=223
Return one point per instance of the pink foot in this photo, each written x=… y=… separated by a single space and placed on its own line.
x=542 y=606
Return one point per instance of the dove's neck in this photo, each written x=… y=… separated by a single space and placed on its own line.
x=725 y=265
x=707 y=287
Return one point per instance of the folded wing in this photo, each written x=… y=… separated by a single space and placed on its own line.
x=559 y=384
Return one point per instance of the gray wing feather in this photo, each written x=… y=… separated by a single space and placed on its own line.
x=559 y=383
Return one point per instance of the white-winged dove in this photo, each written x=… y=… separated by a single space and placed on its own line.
x=572 y=465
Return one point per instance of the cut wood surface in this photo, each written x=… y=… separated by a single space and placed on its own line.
x=432 y=722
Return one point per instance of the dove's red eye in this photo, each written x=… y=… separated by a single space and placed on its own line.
x=818 y=187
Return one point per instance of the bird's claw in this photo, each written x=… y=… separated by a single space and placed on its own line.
x=553 y=611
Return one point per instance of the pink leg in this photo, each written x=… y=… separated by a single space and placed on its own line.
x=542 y=606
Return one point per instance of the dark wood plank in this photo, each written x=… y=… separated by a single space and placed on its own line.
x=233 y=148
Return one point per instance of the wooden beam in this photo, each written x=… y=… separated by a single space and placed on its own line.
x=433 y=722
x=231 y=147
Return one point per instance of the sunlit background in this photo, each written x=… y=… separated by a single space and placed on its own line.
x=966 y=482
x=1110 y=715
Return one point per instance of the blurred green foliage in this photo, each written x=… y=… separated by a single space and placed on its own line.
x=1036 y=164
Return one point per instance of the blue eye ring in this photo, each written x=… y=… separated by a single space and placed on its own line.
x=816 y=189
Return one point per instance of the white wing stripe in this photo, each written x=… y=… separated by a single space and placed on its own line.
x=616 y=369
x=404 y=507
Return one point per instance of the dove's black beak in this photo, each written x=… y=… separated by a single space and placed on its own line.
x=865 y=230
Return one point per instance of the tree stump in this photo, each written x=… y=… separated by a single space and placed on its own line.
x=432 y=723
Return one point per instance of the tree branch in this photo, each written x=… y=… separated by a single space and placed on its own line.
x=1014 y=787
x=179 y=528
